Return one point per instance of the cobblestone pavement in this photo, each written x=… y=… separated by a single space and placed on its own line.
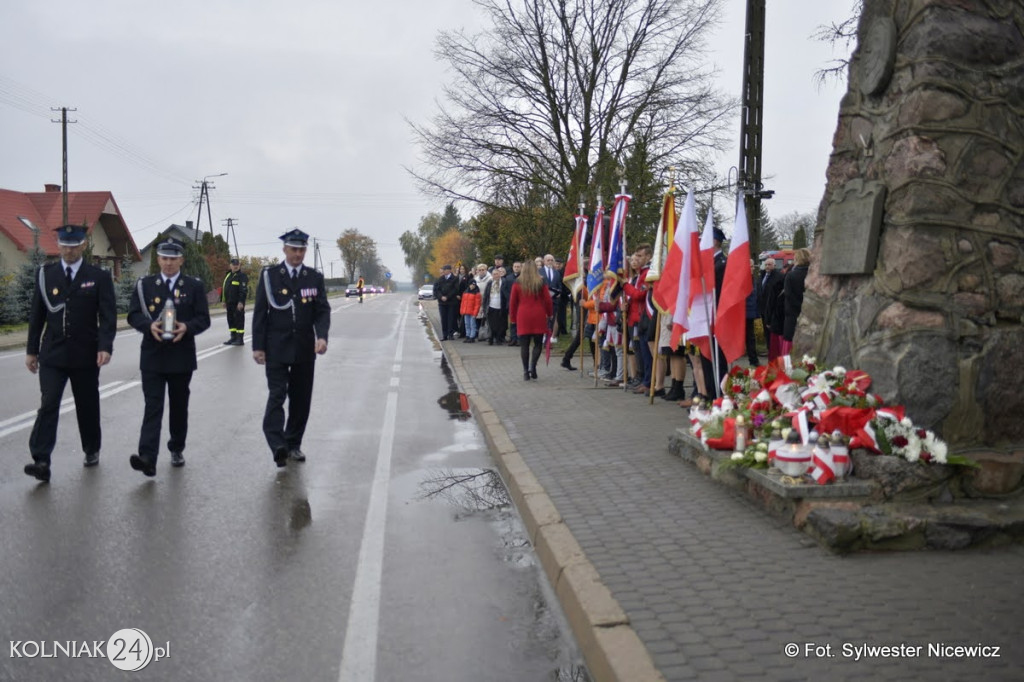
x=713 y=586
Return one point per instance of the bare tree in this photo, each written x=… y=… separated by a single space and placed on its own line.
x=842 y=34
x=550 y=101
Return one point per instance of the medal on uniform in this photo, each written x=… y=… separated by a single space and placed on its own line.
x=177 y=293
x=157 y=300
x=303 y=300
x=152 y=308
x=56 y=291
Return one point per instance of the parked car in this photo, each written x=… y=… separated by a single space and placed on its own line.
x=426 y=292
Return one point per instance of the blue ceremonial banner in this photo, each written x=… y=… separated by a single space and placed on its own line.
x=616 y=242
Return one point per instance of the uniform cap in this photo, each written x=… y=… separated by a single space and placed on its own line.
x=718 y=235
x=170 y=248
x=234 y=261
x=70 y=235
x=295 y=237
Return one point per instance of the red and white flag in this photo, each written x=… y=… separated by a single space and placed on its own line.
x=702 y=290
x=685 y=247
x=731 y=318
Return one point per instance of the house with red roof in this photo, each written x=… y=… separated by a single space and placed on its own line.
x=26 y=217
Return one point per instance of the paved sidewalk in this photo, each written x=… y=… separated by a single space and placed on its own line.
x=712 y=587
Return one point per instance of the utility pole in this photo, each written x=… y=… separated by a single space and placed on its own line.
x=204 y=192
x=749 y=176
x=64 y=146
x=229 y=231
x=318 y=263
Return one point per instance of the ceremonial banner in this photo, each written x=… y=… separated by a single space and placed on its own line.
x=596 y=274
x=573 y=277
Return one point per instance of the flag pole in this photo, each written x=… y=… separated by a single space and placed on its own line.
x=597 y=340
x=581 y=320
x=626 y=266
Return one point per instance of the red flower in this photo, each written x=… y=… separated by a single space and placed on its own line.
x=736 y=388
x=926 y=457
x=921 y=433
x=900 y=441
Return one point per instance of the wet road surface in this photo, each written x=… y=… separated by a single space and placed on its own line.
x=392 y=554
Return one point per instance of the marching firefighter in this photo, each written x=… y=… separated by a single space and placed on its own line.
x=233 y=294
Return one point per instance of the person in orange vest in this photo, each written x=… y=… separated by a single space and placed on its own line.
x=359 y=284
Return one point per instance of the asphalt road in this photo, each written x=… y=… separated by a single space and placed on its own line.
x=391 y=554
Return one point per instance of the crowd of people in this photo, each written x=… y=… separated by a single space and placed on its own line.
x=523 y=305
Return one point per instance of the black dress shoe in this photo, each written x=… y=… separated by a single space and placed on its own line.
x=568 y=365
x=533 y=374
x=298 y=455
x=144 y=465
x=526 y=376
x=40 y=470
x=230 y=342
x=281 y=457
x=91 y=459
x=177 y=459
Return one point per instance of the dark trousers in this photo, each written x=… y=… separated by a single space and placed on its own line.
x=711 y=385
x=294 y=383
x=588 y=333
x=646 y=359
x=85 y=384
x=236 y=319
x=449 y=319
x=530 y=359
x=497 y=320
x=560 y=306
x=176 y=386
x=751 y=343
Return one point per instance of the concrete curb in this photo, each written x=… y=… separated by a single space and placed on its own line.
x=611 y=648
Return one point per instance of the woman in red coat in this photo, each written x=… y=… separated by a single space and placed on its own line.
x=530 y=308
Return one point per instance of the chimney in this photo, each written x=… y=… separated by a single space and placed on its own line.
x=51 y=188
x=188 y=225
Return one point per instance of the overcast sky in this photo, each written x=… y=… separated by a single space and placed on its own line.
x=303 y=105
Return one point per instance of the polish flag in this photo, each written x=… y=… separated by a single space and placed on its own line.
x=685 y=246
x=702 y=289
x=731 y=318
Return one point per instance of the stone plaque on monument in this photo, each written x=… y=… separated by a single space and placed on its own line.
x=852 y=224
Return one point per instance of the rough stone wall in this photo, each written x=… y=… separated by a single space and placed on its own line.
x=938 y=322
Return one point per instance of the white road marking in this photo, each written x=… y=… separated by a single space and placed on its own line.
x=359 y=653
x=26 y=420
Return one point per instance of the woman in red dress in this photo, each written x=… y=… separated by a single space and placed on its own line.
x=531 y=308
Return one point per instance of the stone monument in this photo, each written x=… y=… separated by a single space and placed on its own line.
x=918 y=272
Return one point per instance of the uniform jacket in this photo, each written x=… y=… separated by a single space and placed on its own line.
x=288 y=317
x=191 y=309
x=530 y=311
x=236 y=288
x=84 y=319
x=446 y=286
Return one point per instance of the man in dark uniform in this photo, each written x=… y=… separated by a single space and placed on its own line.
x=290 y=322
x=446 y=291
x=74 y=302
x=234 y=293
x=168 y=355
